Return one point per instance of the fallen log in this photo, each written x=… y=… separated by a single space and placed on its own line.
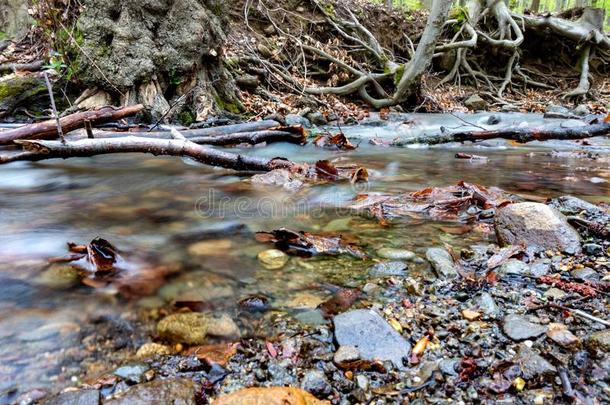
x=21 y=67
x=521 y=135
x=36 y=150
x=293 y=134
x=48 y=129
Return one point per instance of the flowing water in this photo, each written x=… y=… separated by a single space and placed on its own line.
x=199 y=221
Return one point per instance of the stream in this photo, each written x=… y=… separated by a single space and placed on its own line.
x=200 y=221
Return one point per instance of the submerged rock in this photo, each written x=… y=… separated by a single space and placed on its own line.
x=374 y=338
x=396 y=254
x=537 y=225
x=518 y=328
x=385 y=269
x=192 y=328
x=513 y=266
x=273 y=259
x=295 y=119
x=178 y=391
x=441 y=262
x=59 y=276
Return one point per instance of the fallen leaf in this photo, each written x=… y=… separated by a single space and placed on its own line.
x=213 y=354
x=306 y=244
x=270 y=396
x=338 y=141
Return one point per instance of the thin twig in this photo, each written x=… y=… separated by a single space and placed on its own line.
x=60 y=132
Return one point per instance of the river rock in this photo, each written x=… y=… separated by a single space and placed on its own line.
x=270 y=396
x=152 y=349
x=295 y=119
x=374 y=338
x=273 y=259
x=396 y=254
x=59 y=277
x=317 y=118
x=593 y=249
x=475 y=103
x=600 y=340
x=581 y=110
x=555 y=293
x=488 y=305
x=192 y=328
x=178 y=392
x=570 y=205
x=133 y=373
x=80 y=397
x=346 y=355
x=536 y=224
x=315 y=381
x=441 y=262
x=585 y=274
x=385 y=269
x=513 y=266
x=532 y=365
x=540 y=267
x=518 y=328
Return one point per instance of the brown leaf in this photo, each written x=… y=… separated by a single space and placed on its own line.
x=503 y=255
x=102 y=255
x=213 y=354
x=338 y=141
x=270 y=396
x=343 y=299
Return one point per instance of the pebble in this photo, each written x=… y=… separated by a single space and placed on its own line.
x=532 y=365
x=560 y=334
x=315 y=381
x=210 y=247
x=273 y=259
x=176 y=391
x=540 y=267
x=441 y=262
x=471 y=315
x=374 y=338
x=346 y=354
x=518 y=328
x=362 y=382
x=513 y=266
x=385 y=269
x=152 y=349
x=488 y=305
x=593 y=249
x=555 y=293
x=585 y=274
x=449 y=366
x=59 y=277
x=396 y=254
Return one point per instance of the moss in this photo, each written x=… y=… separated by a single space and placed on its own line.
x=21 y=87
x=400 y=70
x=227 y=105
x=186 y=118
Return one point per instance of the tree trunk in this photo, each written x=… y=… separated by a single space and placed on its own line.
x=535 y=7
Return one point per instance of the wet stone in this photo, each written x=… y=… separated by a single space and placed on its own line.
x=555 y=293
x=585 y=274
x=600 y=340
x=152 y=349
x=374 y=338
x=593 y=249
x=540 y=267
x=273 y=259
x=532 y=365
x=513 y=266
x=193 y=328
x=475 y=103
x=518 y=328
x=295 y=119
x=396 y=254
x=441 y=262
x=133 y=373
x=561 y=335
x=315 y=381
x=346 y=354
x=81 y=397
x=59 y=277
x=178 y=391
x=538 y=225
x=385 y=269
x=449 y=366
x=488 y=305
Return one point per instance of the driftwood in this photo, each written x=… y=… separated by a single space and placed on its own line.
x=36 y=150
x=48 y=129
x=293 y=134
x=516 y=134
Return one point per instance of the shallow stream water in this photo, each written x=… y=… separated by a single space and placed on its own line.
x=200 y=221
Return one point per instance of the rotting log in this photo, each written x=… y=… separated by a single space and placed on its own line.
x=36 y=150
x=521 y=135
x=48 y=129
x=21 y=67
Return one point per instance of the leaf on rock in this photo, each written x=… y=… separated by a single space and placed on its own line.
x=306 y=244
x=213 y=354
x=270 y=396
x=343 y=299
x=503 y=255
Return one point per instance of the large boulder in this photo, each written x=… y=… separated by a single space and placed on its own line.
x=535 y=224
x=374 y=338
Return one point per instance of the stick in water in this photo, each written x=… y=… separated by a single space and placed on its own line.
x=60 y=132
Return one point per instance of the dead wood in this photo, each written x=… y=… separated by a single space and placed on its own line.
x=522 y=135
x=49 y=130
x=21 y=67
x=36 y=150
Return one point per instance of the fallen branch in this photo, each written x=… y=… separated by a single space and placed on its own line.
x=36 y=150
x=48 y=129
x=21 y=67
x=521 y=135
